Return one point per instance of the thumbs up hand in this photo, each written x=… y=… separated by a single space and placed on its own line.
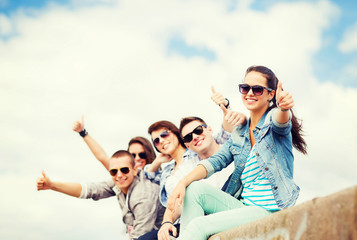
x=44 y=182
x=78 y=126
x=218 y=98
x=284 y=100
x=233 y=118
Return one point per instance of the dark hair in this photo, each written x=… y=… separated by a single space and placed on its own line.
x=187 y=120
x=168 y=126
x=272 y=82
x=123 y=153
x=149 y=151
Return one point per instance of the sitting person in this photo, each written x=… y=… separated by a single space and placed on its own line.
x=137 y=196
x=262 y=153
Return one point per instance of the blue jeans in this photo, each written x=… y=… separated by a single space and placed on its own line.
x=207 y=210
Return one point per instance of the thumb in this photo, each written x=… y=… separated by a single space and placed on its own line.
x=279 y=89
x=43 y=174
x=83 y=119
x=213 y=89
x=224 y=109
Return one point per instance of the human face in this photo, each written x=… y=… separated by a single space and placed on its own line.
x=254 y=102
x=201 y=142
x=137 y=149
x=122 y=180
x=167 y=144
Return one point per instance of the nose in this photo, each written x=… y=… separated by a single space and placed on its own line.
x=250 y=92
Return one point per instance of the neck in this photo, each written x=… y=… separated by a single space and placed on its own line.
x=255 y=117
x=178 y=154
x=209 y=151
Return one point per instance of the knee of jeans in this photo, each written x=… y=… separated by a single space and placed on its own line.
x=198 y=228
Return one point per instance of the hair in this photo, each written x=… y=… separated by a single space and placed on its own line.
x=272 y=82
x=168 y=126
x=124 y=153
x=187 y=120
x=149 y=151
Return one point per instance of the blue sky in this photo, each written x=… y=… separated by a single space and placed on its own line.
x=127 y=64
x=327 y=61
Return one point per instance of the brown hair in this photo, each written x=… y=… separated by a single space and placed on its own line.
x=168 y=126
x=187 y=120
x=272 y=82
x=123 y=153
x=149 y=151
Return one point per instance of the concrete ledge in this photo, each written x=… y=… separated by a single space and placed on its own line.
x=330 y=217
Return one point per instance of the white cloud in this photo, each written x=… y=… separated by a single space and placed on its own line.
x=349 y=40
x=111 y=63
x=5 y=25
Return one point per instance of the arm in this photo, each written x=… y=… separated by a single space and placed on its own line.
x=231 y=119
x=178 y=193
x=156 y=164
x=95 y=148
x=71 y=189
x=285 y=102
x=168 y=223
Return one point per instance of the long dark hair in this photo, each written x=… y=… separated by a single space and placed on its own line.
x=149 y=151
x=272 y=82
x=168 y=126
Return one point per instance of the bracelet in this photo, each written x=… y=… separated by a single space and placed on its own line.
x=165 y=223
x=83 y=133
x=226 y=106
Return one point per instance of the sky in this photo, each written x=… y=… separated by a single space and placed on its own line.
x=127 y=64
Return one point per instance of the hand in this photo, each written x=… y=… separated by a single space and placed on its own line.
x=164 y=231
x=284 y=100
x=217 y=97
x=176 y=196
x=233 y=118
x=78 y=126
x=44 y=182
x=163 y=158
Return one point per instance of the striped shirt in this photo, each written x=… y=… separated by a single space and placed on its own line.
x=256 y=186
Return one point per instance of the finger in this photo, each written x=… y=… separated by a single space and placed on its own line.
x=279 y=89
x=43 y=174
x=174 y=231
x=213 y=89
x=224 y=109
x=83 y=119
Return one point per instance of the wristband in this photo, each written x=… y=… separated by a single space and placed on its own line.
x=226 y=106
x=165 y=223
x=83 y=133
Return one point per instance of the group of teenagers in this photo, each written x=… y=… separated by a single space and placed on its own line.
x=199 y=183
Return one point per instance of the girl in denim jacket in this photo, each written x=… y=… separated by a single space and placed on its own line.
x=262 y=181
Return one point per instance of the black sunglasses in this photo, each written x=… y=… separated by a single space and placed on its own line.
x=257 y=90
x=114 y=171
x=198 y=131
x=163 y=134
x=141 y=155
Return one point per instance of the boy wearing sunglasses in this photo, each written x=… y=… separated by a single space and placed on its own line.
x=137 y=196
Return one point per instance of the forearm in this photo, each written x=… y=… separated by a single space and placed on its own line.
x=97 y=151
x=154 y=166
x=282 y=116
x=71 y=189
x=196 y=174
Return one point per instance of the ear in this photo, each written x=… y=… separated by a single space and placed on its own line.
x=187 y=145
x=209 y=129
x=271 y=94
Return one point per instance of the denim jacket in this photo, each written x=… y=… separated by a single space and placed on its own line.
x=273 y=143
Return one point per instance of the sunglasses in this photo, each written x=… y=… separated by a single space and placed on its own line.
x=257 y=90
x=198 y=131
x=141 y=155
x=124 y=170
x=163 y=134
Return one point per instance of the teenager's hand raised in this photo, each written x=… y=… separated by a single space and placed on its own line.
x=44 y=182
x=217 y=97
x=78 y=126
x=233 y=118
x=284 y=99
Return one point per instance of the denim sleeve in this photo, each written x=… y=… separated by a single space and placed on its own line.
x=281 y=128
x=154 y=177
x=222 y=136
x=99 y=190
x=219 y=160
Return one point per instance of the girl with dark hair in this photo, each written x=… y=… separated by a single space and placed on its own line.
x=262 y=182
